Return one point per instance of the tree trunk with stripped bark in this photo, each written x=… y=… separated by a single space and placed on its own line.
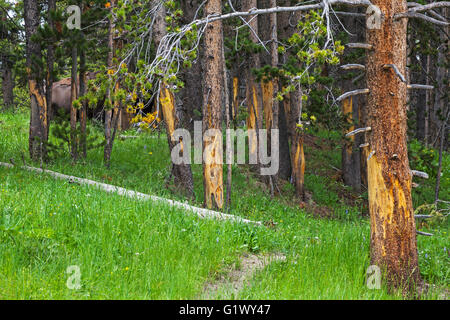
x=212 y=109
x=393 y=230
x=38 y=136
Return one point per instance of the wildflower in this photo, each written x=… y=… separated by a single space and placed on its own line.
x=108 y=5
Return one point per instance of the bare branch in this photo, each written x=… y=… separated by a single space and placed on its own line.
x=350 y=14
x=359 y=46
x=253 y=12
x=352 y=93
x=420 y=174
x=371 y=155
x=424 y=234
x=360 y=130
x=420 y=87
x=353 y=66
x=422 y=216
x=397 y=72
x=441 y=4
x=421 y=16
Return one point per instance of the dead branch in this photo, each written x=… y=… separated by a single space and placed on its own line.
x=353 y=66
x=352 y=93
x=421 y=16
x=420 y=174
x=420 y=87
x=360 y=46
x=397 y=72
x=424 y=234
x=430 y=6
x=360 y=130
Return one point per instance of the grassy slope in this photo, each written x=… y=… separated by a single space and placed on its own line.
x=170 y=254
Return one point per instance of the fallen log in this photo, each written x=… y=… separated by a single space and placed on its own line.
x=200 y=212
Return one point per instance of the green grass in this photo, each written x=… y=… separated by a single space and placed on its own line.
x=128 y=249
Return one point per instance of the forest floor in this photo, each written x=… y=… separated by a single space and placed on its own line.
x=128 y=249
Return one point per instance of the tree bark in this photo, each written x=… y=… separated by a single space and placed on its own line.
x=73 y=110
x=253 y=89
x=393 y=230
x=297 y=151
x=84 y=105
x=285 y=170
x=181 y=173
x=351 y=108
x=38 y=136
x=212 y=111
x=109 y=111
x=192 y=92
x=7 y=83
x=50 y=59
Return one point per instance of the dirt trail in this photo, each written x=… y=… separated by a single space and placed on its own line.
x=233 y=281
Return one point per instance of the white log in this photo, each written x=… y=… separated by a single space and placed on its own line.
x=200 y=212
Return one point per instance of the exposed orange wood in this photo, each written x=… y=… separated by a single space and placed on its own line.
x=235 y=108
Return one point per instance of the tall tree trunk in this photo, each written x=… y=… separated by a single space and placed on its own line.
x=181 y=173
x=212 y=109
x=441 y=150
x=351 y=160
x=228 y=117
x=84 y=105
x=393 y=230
x=285 y=30
x=427 y=101
x=7 y=83
x=421 y=101
x=351 y=153
x=73 y=110
x=39 y=113
x=269 y=28
x=109 y=110
x=50 y=59
x=285 y=170
x=297 y=151
x=253 y=90
x=192 y=92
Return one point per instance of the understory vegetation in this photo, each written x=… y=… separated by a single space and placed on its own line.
x=131 y=249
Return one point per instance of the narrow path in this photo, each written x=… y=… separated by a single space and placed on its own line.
x=200 y=212
x=229 y=284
